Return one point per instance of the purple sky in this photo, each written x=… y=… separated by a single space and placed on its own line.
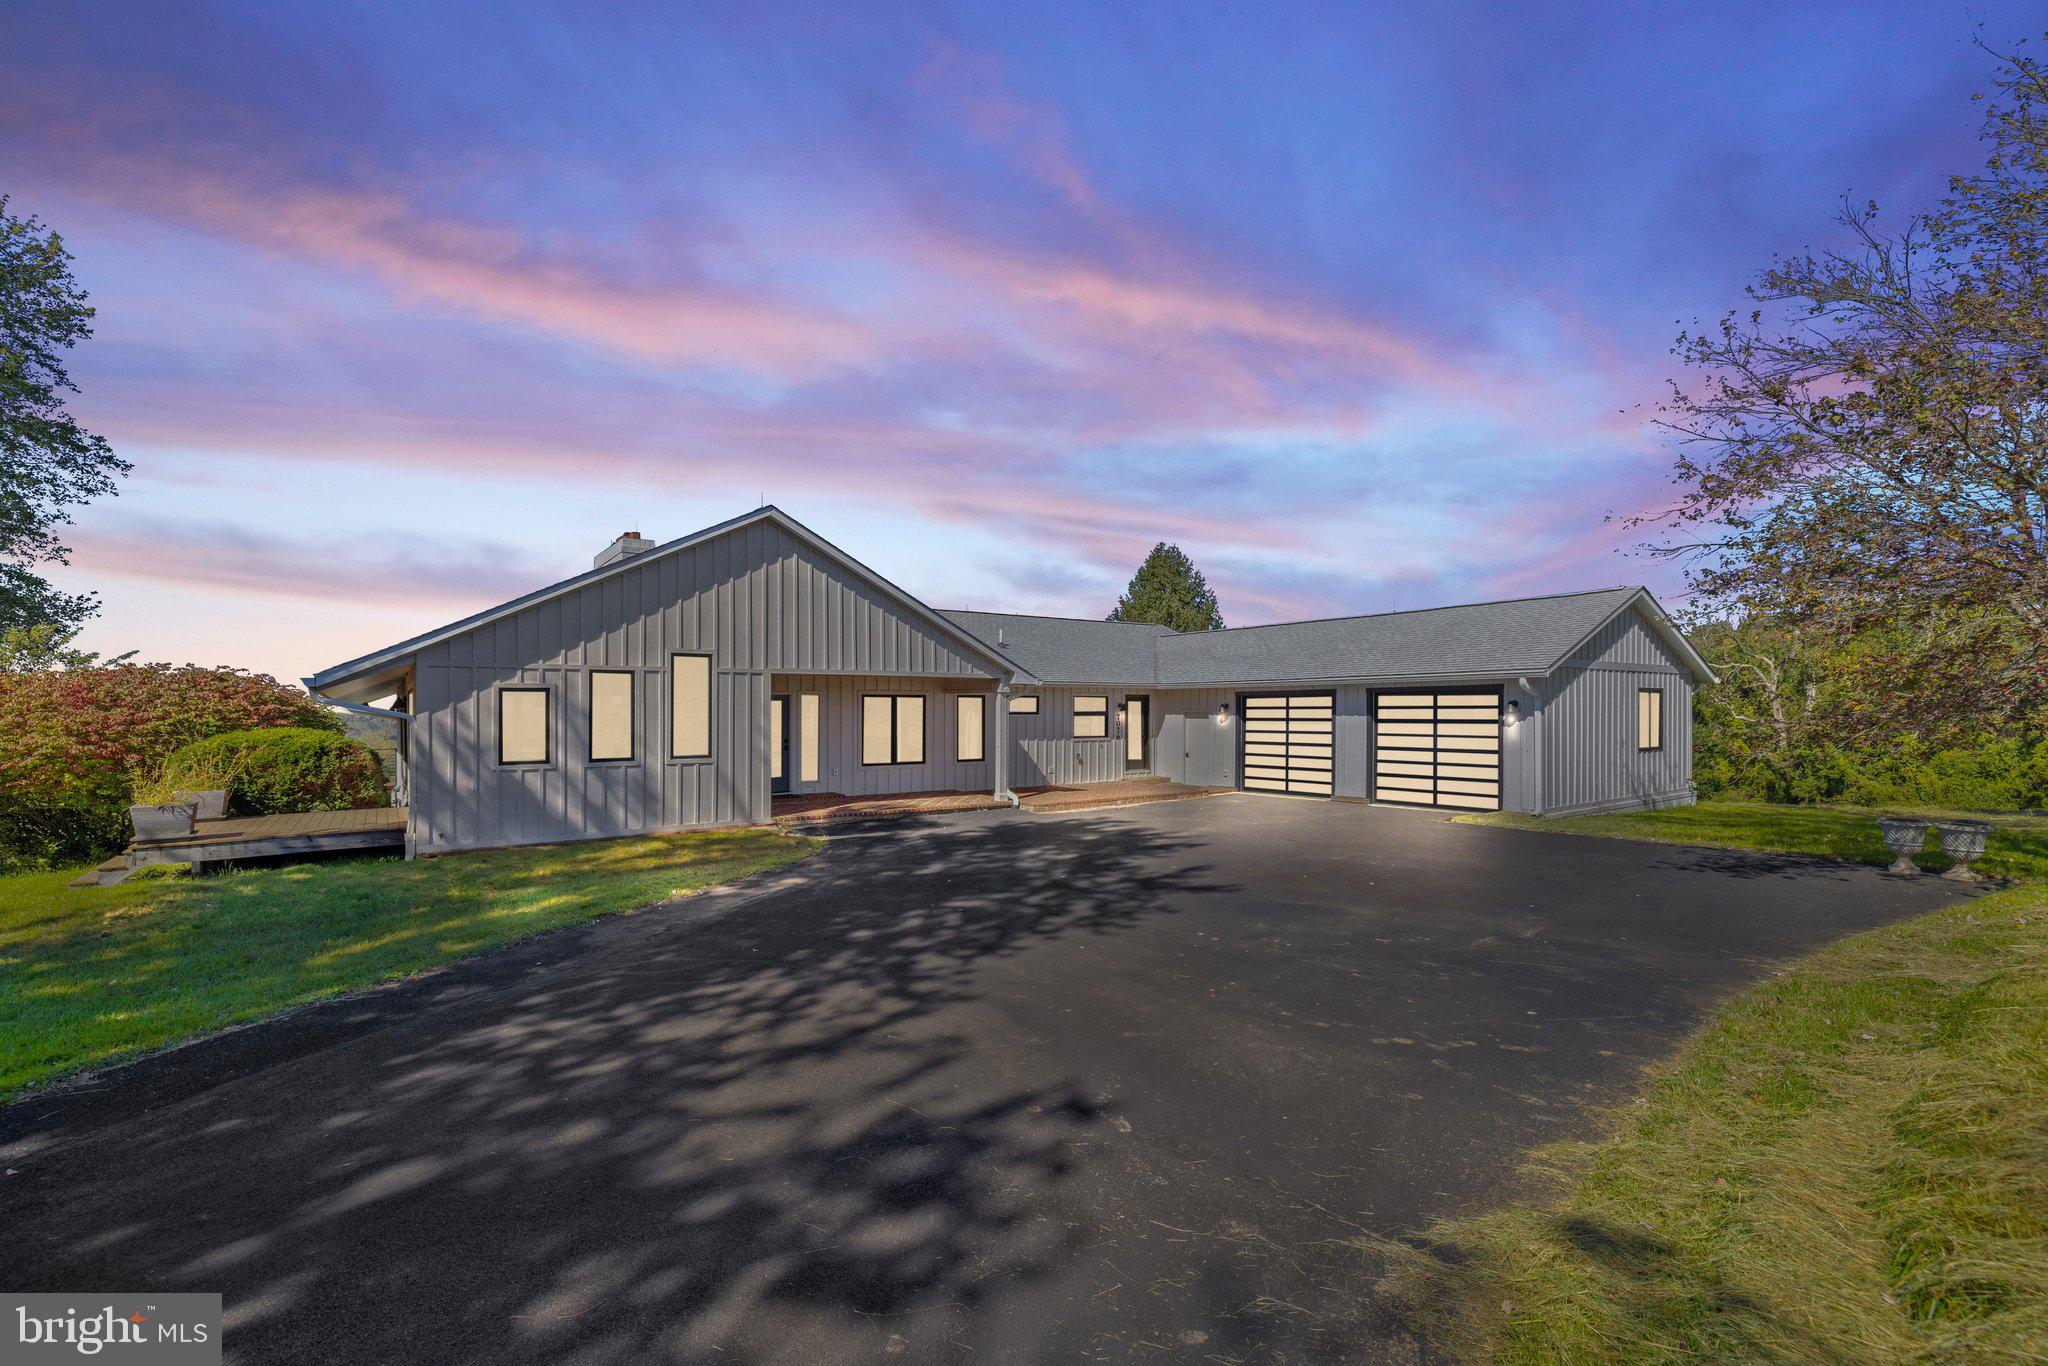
x=405 y=309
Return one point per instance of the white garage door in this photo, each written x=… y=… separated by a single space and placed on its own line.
x=1290 y=743
x=1437 y=749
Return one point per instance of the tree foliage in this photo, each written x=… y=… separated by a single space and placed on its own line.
x=1169 y=591
x=1864 y=455
x=72 y=742
x=48 y=463
x=1770 y=731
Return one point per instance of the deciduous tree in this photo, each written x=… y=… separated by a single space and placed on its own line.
x=1864 y=454
x=48 y=463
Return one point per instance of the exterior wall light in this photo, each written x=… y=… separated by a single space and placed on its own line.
x=1514 y=711
x=1223 y=714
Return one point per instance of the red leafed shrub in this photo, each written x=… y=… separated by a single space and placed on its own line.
x=72 y=742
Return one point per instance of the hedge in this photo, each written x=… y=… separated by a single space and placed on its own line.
x=287 y=769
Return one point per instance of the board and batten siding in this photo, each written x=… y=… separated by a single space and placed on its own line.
x=1589 y=757
x=839 y=736
x=1044 y=751
x=757 y=600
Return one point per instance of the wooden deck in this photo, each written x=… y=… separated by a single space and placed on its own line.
x=255 y=837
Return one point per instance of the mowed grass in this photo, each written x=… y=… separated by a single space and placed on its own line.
x=89 y=976
x=1849 y=1164
x=2017 y=847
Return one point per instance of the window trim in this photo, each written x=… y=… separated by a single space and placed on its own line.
x=1098 y=713
x=896 y=700
x=547 y=724
x=960 y=700
x=632 y=754
x=1657 y=716
x=1018 y=707
x=710 y=705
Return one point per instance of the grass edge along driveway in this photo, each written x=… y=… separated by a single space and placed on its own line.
x=92 y=976
x=1846 y=1163
x=2017 y=847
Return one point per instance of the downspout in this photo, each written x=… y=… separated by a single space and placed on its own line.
x=1002 y=754
x=401 y=789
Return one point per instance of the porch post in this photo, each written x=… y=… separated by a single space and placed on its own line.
x=1000 y=765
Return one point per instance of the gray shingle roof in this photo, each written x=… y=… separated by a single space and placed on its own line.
x=1492 y=639
x=1525 y=636
x=1067 y=649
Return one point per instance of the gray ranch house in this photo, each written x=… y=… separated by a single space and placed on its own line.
x=689 y=684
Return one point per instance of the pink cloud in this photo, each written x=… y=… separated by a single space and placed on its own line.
x=217 y=556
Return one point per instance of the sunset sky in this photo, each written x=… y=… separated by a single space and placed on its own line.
x=405 y=309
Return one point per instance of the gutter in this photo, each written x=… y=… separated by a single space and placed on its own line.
x=359 y=708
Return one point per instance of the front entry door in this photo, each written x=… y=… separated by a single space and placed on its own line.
x=778 y=744
x=1137 y=734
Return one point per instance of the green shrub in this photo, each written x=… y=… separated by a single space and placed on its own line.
x=73 y=740
x=284 y=769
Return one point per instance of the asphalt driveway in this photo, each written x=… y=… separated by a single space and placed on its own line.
x=1012 y=1087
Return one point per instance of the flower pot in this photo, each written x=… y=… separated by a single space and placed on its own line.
x=172 y=820
x=1904 y=838
x=211 y=805
x=1963 y=842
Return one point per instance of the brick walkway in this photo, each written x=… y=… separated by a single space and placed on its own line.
x=834 y=806
x=1122 y=792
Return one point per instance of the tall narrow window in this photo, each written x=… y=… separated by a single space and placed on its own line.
x=891 y=729
x=973 y=715
x=1091 y=717
x=523 y=725
x=1649 y=718
x=611 y=715
x=689 y=707
x=807 y=737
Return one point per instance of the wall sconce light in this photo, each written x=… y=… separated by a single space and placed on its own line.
x=1223 y=714
x=1514 y=711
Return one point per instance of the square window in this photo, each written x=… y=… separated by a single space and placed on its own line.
x=892 y=729
x=1091 y=717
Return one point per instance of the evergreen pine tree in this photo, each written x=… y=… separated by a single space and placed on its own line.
x=1169 y=591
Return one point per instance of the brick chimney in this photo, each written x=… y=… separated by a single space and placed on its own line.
x=629 y=543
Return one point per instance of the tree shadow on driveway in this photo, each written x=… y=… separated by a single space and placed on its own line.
x=706 y=1136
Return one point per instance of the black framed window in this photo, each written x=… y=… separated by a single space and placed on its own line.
x=1649 y=718
x=1091 y=716
x=891 y=729
x=971 y=746
x=525 y=726
x=613 y=706
x=689 y=706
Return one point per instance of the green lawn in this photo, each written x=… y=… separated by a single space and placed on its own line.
x=1848 y=1163
x=91 y=975
x=2018 y=847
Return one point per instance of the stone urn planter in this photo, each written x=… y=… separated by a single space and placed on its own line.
x=1963 y=842
x=169 y=821
x=210 y=805
x=1904 y=838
